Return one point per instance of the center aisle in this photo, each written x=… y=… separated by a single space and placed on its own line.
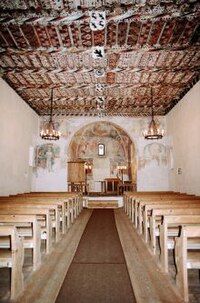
x=98 y=272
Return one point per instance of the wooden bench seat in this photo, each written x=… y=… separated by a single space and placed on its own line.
x=153 y=213
x=53 y=208
x=59 y=203
x=13 y=258
x=53 y=214
x=6 y=256
x=193 y=258
x=175 y=221
x=185 y=259
x=149 y=214
x=140 y=206
x=193 y=244
x=76 y=197
x=76 y=200
x=131 y=198
x=69 y=208
x=31 y=234
x=146 y=209
x=64 y=210
x=28 y=241
x=134 y=208
x=74 y=206
x=46 y=232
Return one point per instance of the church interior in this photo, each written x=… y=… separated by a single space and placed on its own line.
x=99 y=151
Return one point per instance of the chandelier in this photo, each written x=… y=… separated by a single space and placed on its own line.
x=153 y=132
x=49 y=131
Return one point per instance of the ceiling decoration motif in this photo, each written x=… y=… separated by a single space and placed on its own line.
x=100 y=54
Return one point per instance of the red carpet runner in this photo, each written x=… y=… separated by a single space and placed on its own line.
x=98 y=273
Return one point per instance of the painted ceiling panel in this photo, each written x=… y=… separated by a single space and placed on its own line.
x=48 y=44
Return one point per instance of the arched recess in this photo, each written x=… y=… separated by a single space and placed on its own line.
x=119 y=151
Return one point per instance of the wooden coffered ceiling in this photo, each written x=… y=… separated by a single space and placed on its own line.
x=48 y=44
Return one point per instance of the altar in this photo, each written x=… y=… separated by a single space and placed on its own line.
x=112 y=185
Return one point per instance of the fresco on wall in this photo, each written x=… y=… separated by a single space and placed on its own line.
x=45 y=156
x=117 y=143
x=154 y=152
x=171 y=158
x=66 y=128
x=85 y=143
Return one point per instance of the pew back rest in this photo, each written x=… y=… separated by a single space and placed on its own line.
x=12 y=232
x=182 y=219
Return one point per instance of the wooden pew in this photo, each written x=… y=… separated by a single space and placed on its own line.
x=167 y=200
x=74 y=203
x=42 y=213
x=50 y=211
x=26 y=203
x=152 y=211
x=137 y=204
x=13 y=258
x=32 y=239
x=174 y=219
x=134 y=204
x=69 y=209
x=139 y=201
x=70 y=206
x=63 y=206
x=148 y=212
x=129 y=196
x=68 y=195
x=185 y=259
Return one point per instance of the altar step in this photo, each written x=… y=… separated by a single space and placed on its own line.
x=101 y=194
x=102 y=204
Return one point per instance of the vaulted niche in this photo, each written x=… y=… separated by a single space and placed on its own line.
x=107 y=152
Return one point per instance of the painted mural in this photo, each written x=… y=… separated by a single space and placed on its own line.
x=85 y=143
x=154 y=152
x=45 y=156
x=117 y=143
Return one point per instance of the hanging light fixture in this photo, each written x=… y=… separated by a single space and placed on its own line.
x=153 y=132
x=49 y=131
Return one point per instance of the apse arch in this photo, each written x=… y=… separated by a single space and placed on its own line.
x=120 y=151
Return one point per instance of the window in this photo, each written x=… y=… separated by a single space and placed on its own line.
x=101 y=149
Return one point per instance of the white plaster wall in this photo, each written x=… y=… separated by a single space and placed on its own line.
x=150 y=177
x=154 y=176
x=183 y=124
x=18 y=131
